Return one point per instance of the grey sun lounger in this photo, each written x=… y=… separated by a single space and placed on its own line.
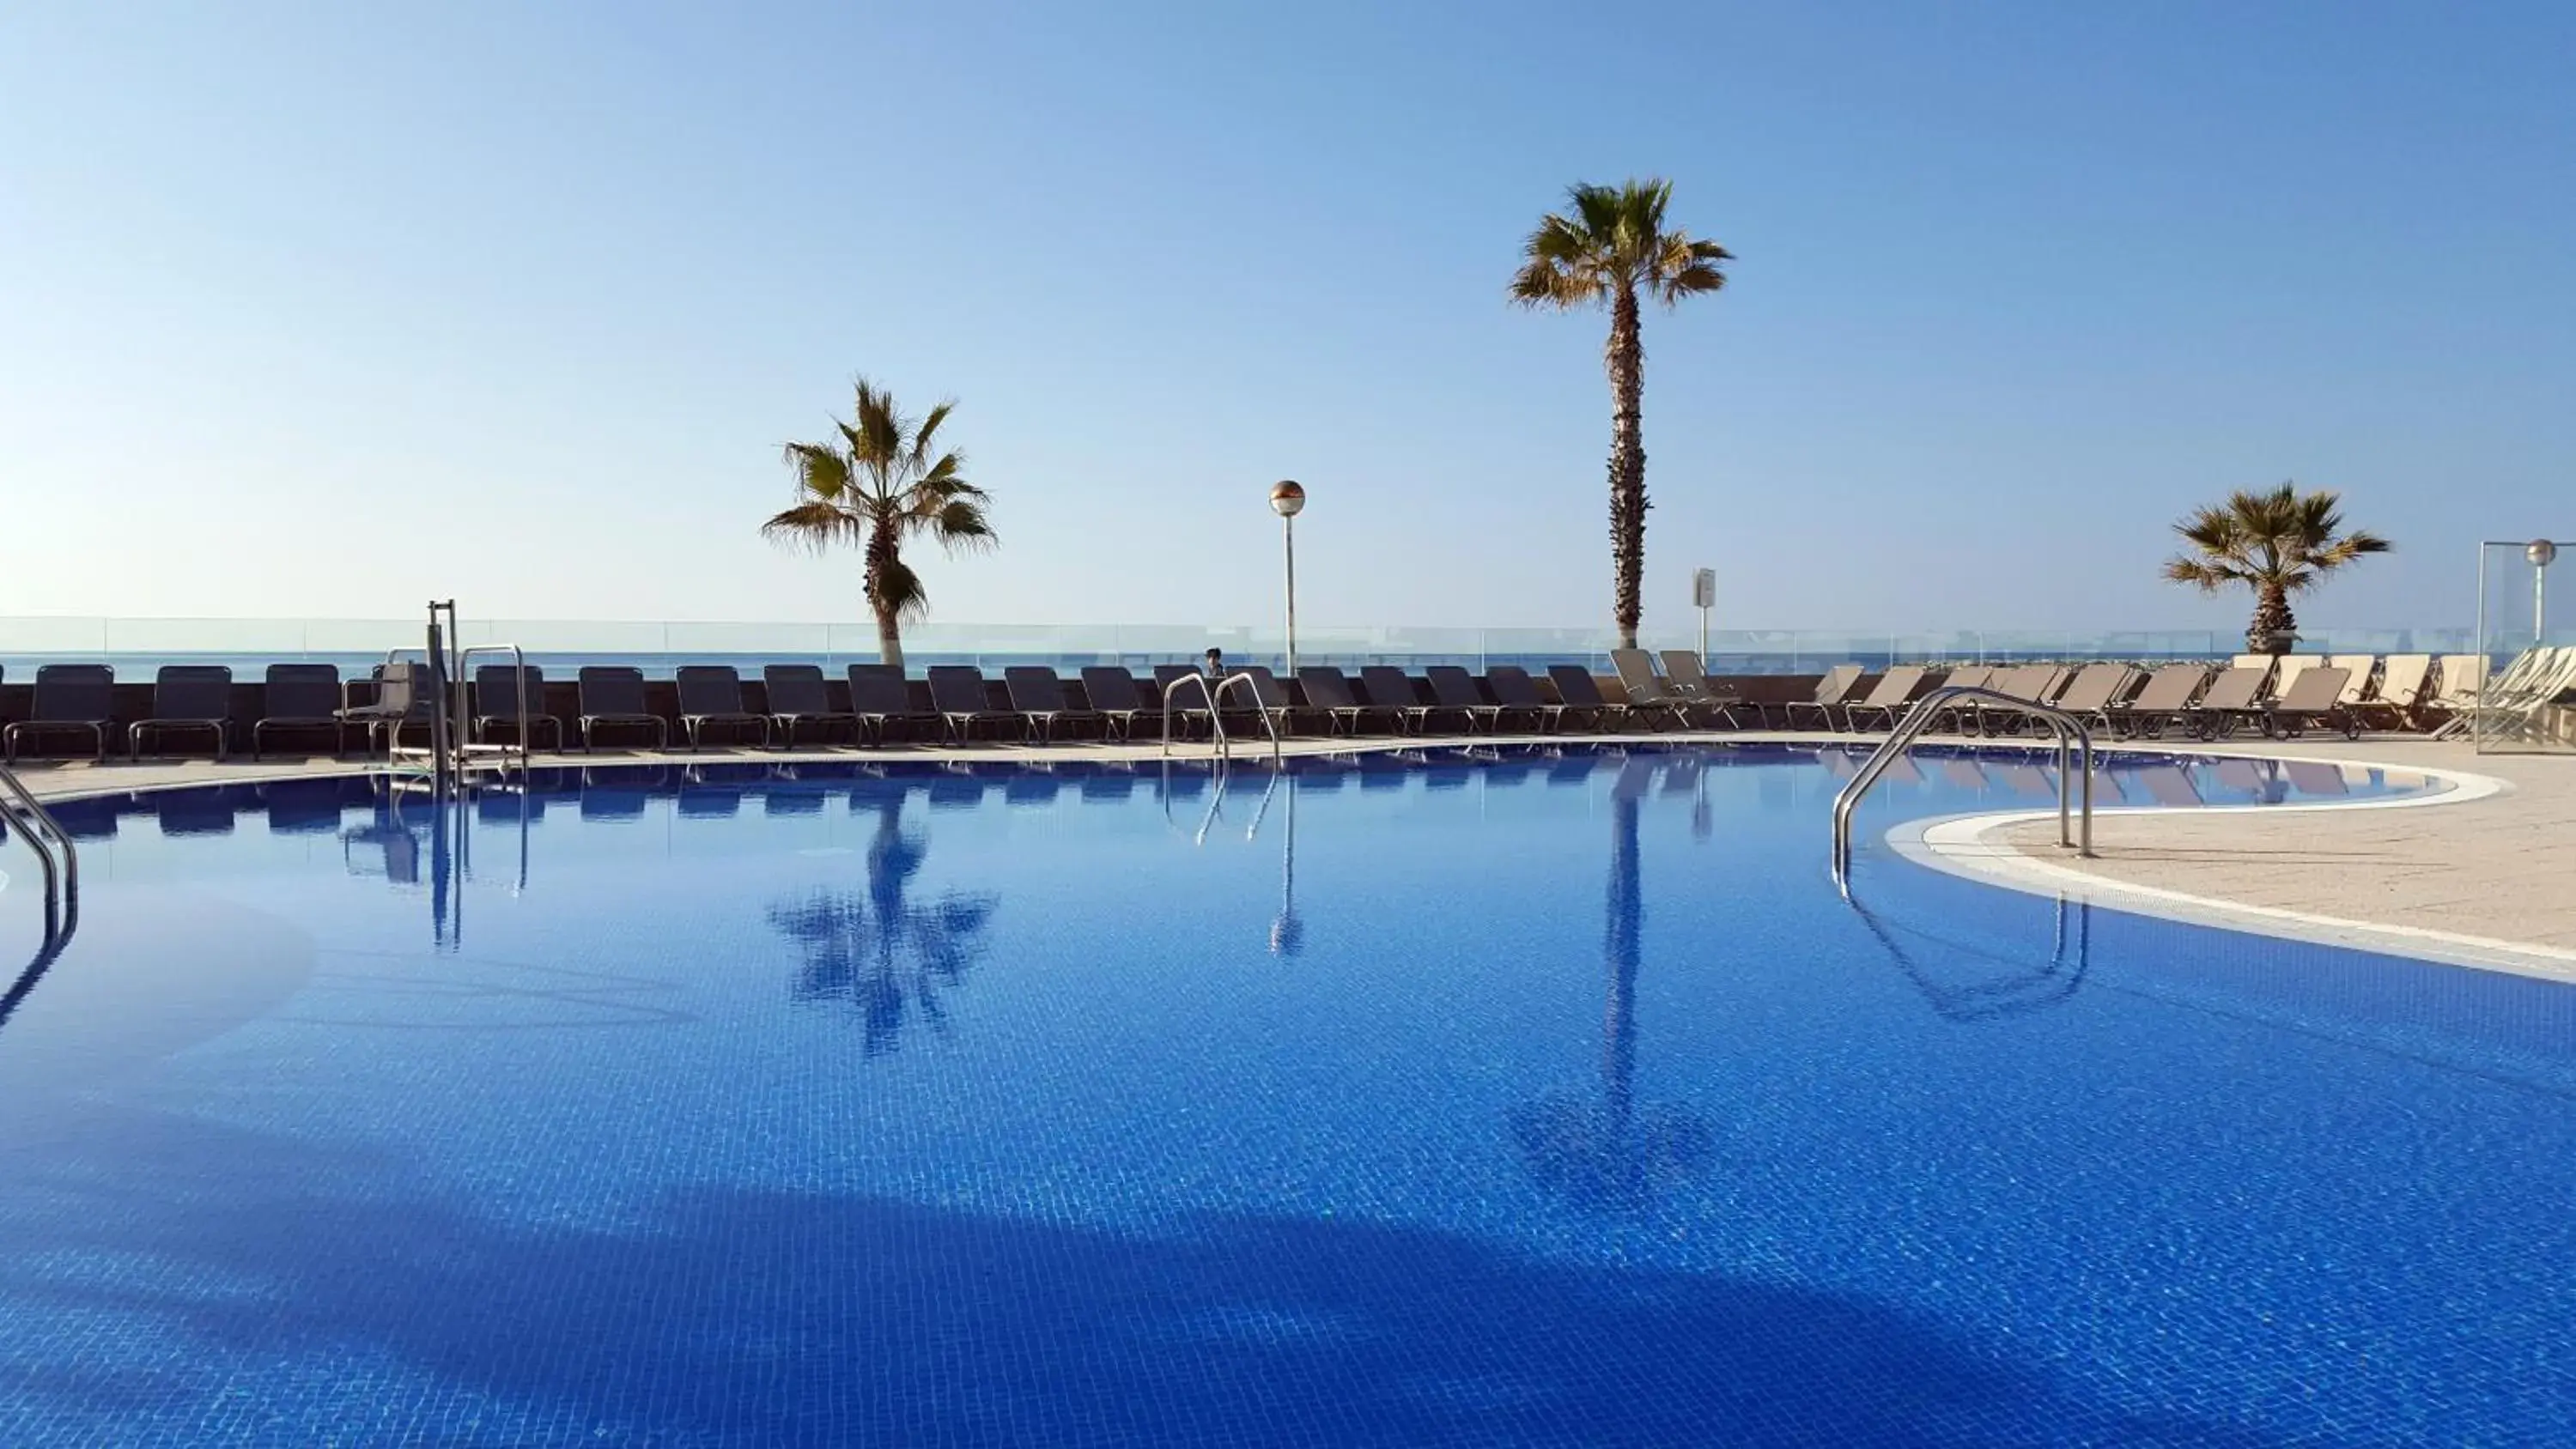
x=1454 y=691
x=1578 y=692
x=2402 y=681
x=957 y=692
x=2033 y=682
x=1039 y=696
x=1887 y=699
x=1391 y=689
x=1269 y=697
x=1328 y=693
x=1647 y=695
x=193 y=698
x=2096 y=690
x=2313 y=700
x=1112 y=694
x=712 y=694
x=70 y=699
x=796 y=698
x=880 y=696
x=613 y=695
x=1690 y=682
x=2165 y=701
x=406 y=692
x=1831 y=690
x=2233 y=698
x=298 y=697
x=1966 y=676
x=1516 y=693
x=496 y=703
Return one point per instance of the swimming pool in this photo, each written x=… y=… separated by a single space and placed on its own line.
x=1538 y=1099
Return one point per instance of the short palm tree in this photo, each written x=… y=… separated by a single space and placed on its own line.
x=884 y=480
x=1609 y=246
x=2277 y=543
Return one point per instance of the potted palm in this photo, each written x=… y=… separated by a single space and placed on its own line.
x=2279 y=543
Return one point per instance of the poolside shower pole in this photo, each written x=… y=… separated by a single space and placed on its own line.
x=2542 y=554
x=1287 y=499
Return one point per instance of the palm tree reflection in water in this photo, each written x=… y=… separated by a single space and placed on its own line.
x=1612 y=1154
x=883 y=951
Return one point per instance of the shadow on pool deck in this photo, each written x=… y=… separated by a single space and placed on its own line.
x=751 y=1316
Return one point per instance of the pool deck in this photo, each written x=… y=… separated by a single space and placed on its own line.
x=2482 y=874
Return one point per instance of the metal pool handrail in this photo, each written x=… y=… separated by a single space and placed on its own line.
x=2070 y=731
x=62 y=877
x=1216 y=719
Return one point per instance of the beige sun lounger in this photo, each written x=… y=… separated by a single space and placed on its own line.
x=2401 y=690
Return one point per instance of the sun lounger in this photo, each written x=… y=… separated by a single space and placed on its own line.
x=405 y=693
x=1966 y=676
x=1831 y=690
x=1039 y=697
x=1516 y=693
x=1580 y=693
x=496 y=703
x=1691 y=683
x=298 y=697
x=796 y=698
x=195 y=698
x=1391 y=689
x=1269 y=697
x=2097 y=690
x=2033 y=682
x=957 y=692
x=2314 y=699
x=1454 y=691
x=1887 y=699
x=2286 y=673
x=880 y=696
x=2233 y=698
x=70 y=699
x=2462 y=677
x=1112 y=694
x=613 y=695
x=1648 y=696
x=2402 y=681
x=712 y=694
x=2164 y=701
x=1328 y=693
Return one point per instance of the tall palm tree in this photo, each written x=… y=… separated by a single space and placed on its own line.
x=2277 y=543
x=885 y=479
x=1607 y=248
x=883 y=951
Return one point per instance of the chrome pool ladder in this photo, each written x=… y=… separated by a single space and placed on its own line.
x=60 y=860
x=1216 y=717
x=2074 y=787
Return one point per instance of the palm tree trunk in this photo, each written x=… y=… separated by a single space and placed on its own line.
x=2274 y=626
x=881 y=560
x=1625 y=357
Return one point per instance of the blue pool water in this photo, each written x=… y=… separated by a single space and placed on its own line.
x=1535 y=1100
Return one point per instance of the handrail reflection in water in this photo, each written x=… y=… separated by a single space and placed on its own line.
x=2049 y=986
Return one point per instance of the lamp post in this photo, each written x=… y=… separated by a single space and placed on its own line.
x=2542 y=554
x=1287 y=499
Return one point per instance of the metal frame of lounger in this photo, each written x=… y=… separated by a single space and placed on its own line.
x=496 y=702
x=1831 y=690
x=796 y=694
x=1576 y=689
x=68 y=697
x=962 y=702
x=712 y=694
x=1646 y=689
x=1689 y=679
x=1893 y=692
x=1045 y=705
x=880 y=695
x=315 y=688
x=604 y=686
x=1118 y=720
x=2511 y=702
x=1328 y=693
x=187 y=697
x=1514 y=690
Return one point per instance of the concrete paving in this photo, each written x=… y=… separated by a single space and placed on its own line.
x=2483 y=873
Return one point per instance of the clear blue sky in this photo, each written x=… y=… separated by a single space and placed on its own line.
x=320 y=309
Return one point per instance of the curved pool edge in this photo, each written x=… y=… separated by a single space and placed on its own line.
x=1964 y=846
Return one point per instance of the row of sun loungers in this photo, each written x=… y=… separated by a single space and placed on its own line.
x=192 y=704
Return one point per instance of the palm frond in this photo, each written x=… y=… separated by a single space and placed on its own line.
x=821 y=471
x=812 y=524
x=961 y=524
x=2208 y=577
x=900 y=589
